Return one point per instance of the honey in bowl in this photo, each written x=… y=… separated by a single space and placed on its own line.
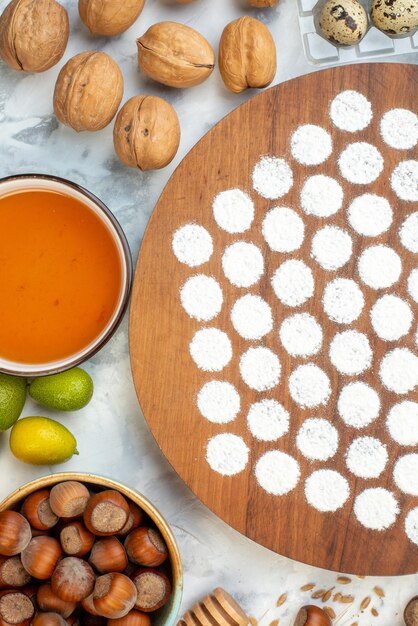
x=60 y=275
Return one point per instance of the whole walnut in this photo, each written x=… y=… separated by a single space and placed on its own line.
x=88 y=91
x=33 y=35
x=146 y=133
x=247 y=55
x=109 y=17
x=175 y=55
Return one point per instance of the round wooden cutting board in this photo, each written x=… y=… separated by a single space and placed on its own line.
x=168 y=380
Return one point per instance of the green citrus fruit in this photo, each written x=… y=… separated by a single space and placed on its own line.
x=12 y=399
x=68 y=391
x=42 y=441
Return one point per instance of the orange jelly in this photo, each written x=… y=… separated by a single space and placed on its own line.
x=60 y=276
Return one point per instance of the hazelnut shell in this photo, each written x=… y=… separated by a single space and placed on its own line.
x=109 y=17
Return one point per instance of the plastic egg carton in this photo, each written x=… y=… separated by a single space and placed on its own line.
x=374 y=45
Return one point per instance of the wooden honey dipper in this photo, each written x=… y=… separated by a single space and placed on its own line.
x=216 y=609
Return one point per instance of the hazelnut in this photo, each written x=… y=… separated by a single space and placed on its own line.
x=106 y=513
x=15 y=608
x=108 y=555
x=133 y=618
x=411 y=612
x=33 y=35
x=312 y=615
x=134 y=520
x=69 y=499
x=15 y=533
x=146 y=546
x=37 y=510
x=12 y=572
x=114 y=595
x=109 y=17
x=88 y=91
x=88 y=606
x=146 y=133
x=175 y=55
x=153 y=589
x=41 y=556
x=75 y=539
x=73 y=580
x=49 y=619
x=48 y=601
x=247 y=55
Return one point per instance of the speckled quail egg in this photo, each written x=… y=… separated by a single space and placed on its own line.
x=342 y=22
x=396 y=18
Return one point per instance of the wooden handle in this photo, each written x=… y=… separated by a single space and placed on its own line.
x=216 y=609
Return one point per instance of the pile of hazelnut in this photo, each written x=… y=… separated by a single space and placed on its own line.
x=80 y=558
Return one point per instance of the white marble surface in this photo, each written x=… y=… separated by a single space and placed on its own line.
x=113 y=437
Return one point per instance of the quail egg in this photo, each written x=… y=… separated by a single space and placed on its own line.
x=342 y=22
x=396 y=18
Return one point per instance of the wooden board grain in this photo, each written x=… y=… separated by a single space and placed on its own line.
x=166 y=378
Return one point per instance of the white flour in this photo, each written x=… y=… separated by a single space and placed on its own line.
x=293 y=283
x=331 y=247
x=366 y=457
x=413 y=284
x=411 y=525
x=251 y=317
x=310 y=145
x=309 y=386
x=351 y=111
x=243 y=264
x=211 y=349
x=201 y=297
x=379 y=267
x=272 y=177
x=404 y=180
x=343 y=300
x=219 y=402
x=358 y=404
x=233 y=211
x=227 y=454
x=370 y=215
x=283 y=229
x=268 y=420
x=399 y=129
x=260 y=368
x=391 y=317
x=277 y=472
x=405 y=474
x=350 y=352
x=301 y=335
x=409 y=232
x=192 y=245
x=317 y=439
x=321 y=196
x=326 y=490
x=402 y=423
x=399 y=370
x=376 y=508
x=360 y=163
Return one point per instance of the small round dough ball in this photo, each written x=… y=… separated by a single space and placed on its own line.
x=109 y=17
x=397 y=18
x=88 y=91
x=342 y=22
x=146 y=133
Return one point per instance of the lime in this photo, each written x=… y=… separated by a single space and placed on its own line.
x=42 y=441
x=68 y=391
x=12 y=399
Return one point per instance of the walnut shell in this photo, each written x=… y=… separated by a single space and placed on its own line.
x=247 y=55
x=175 y=55
x=88 y=91
x=109 y=17
x=33 y=35
x=146 y=133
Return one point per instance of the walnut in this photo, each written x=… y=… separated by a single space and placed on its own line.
x=109 y=17
x=33 y=35
x=146 y=133
x=88 y=91
x=175 y=55
x=247 y=55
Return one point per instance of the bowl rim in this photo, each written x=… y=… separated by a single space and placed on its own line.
x=16 y=496
x=56 y=367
